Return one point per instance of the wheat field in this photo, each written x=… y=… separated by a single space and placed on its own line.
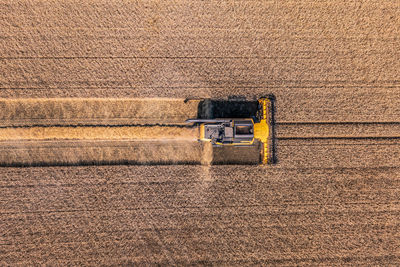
x=331 y=200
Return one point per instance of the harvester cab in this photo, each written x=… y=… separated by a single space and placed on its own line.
x=240 y=131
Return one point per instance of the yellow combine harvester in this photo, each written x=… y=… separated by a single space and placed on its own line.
x=241 y=131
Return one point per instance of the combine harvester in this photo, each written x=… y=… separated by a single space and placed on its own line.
x=257 y=128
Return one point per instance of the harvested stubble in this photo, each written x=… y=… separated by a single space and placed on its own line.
x=56 y=131
x=95 y=111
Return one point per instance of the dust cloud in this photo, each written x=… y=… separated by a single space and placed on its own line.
x=92 y=145
x=99 y=133
x=206 y=161
x=207 y=154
